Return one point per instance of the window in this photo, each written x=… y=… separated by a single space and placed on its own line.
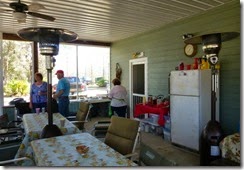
x=17 y=69
x=83 y=63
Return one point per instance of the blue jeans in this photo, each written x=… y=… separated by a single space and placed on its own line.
x=63 y=105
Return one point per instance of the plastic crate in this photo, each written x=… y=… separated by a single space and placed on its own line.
x=167 y=135
x=156 y=130
x=154 y=118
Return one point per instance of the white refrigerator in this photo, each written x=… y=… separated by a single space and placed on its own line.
x=190 y=105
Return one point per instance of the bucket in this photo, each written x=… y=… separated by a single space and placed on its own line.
x=142 y=126
x=146 y=127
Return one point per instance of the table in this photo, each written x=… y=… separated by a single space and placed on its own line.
x=33 y=125
x=156 y=109
x=100 y=106
x=61 y=151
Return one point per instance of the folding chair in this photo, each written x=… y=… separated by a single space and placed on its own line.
x=8 y=130
x=81 y=116
x=122 y=135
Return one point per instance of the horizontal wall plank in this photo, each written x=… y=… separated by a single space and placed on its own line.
x=164 y=49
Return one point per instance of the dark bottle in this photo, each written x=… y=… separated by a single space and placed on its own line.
x=210 y=138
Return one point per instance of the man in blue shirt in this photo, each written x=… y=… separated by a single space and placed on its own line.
x=62 y=93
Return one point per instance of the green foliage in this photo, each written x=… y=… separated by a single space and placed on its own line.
x=17 y=67
x=17 y=61
x=16 y=88
x=101 y=82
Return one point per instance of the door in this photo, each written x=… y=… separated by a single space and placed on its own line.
x=184 y=82
x=138 y=82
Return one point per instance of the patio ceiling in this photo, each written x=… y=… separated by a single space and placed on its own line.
x=106 y=20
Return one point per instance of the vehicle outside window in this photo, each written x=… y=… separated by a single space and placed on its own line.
x=86 y=80
x=74 y=81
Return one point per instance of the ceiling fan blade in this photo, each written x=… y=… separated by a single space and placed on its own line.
x=21 y=21
x=33 y=7
x=5 y=5
x=47 y=17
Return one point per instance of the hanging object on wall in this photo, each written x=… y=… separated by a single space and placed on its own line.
x=118 y=71
x=138 y=54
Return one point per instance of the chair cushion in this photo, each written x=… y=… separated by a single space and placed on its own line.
x=84 y=106
x=102 y=126
x=121 y=145
x=81 y=114
x=121 y=134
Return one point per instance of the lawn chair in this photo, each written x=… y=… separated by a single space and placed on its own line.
x=123 y=135
x=8 y=129
x=82 y=115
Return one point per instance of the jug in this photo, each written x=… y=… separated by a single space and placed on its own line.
x=150 y=99
x=160 y=99
x=195 y=65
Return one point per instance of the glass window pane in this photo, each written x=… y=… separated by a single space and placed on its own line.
x=94 y=64
x=87 y=68
x=17 y=69
x=138 y=79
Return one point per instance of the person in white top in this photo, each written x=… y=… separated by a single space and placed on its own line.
x=118 y=98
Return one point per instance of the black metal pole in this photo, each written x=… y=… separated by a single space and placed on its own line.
x=50 y=130
x=49 y=97
x=213 y=93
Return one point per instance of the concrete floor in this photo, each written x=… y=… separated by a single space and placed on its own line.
x=171 y=154
x=168 y=152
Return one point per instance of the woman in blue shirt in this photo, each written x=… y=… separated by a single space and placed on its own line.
x=38 y=93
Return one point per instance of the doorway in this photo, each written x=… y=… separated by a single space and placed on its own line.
x=138 y=82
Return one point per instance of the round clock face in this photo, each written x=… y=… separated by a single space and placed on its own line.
x=190 y=50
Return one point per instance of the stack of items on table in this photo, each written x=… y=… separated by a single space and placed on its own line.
x=147 y=108
x=158 y=120
x=151 y=125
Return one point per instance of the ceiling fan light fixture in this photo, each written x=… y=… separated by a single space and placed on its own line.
x=19 y=15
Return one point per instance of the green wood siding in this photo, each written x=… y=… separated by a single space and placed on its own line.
x=164 y=49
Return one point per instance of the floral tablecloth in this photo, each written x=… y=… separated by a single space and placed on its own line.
x=61 y=151
x=231 y=147
x=33 y=125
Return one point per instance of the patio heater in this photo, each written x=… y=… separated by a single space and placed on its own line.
x=49 y=39
x=212 y=133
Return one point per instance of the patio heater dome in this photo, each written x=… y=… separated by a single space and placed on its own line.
x=49 y=39
x=224 y=36
x=212 y=133
x=211 y=43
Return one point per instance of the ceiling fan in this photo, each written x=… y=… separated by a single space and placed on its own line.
x=20 y=11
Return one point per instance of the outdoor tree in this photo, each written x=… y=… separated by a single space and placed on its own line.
x=17 y=66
